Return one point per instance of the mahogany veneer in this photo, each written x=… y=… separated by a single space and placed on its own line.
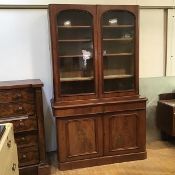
x=100 y=117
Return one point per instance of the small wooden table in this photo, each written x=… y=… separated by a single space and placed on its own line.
x=166 y=115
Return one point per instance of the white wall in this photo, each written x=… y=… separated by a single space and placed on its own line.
x=24 y=54
x=152 y=42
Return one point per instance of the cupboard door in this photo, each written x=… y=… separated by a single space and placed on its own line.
x=118 y=49
x=79 y=138
x=74 y=55
x=124 y=132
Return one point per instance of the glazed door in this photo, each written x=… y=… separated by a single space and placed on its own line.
x=80 y=138
x=124 y=132
x=118 y=50
x=74 y=57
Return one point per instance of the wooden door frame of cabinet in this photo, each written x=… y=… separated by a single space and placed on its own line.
x=134 y=9
x=53 y=12
x=96 y=11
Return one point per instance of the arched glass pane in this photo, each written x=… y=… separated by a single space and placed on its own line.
x=76 y=52
x=118 y=42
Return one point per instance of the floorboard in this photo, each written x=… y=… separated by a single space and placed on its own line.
x=160 y=161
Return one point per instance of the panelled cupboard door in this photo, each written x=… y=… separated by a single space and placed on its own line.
x=79 y=138
x=124 y=132
x=74 y=43
x=118 y=50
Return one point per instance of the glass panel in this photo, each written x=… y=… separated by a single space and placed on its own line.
x=118 y=50
x=76 y=54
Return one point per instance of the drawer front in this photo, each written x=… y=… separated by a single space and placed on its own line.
x=12 y=163
x=7 y=141
x=16 y=95
x=25 y=124
x=28 y=156
x=7 y=144
x=11 y=109
x=26 y=140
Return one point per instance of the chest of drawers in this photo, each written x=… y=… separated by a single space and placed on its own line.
x=21 y=104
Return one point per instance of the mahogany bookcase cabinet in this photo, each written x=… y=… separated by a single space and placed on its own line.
x=21 y=104
x=100 y=116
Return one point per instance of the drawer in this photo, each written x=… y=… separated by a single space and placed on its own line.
x=12 y=109
x=7 y=144
x=11 y=167
x=28 y=124
x=28 y=156
x=7 y=140
x=26 y=140
x=16 y=95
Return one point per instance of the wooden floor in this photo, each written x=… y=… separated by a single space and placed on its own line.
x=160 y=161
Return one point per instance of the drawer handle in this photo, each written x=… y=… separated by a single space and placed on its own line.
x=18 y=96
x=20 y=108
x=24 y=156
x=9 y=143
x=23 y=138
x=21 y=123
x=14 y=167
